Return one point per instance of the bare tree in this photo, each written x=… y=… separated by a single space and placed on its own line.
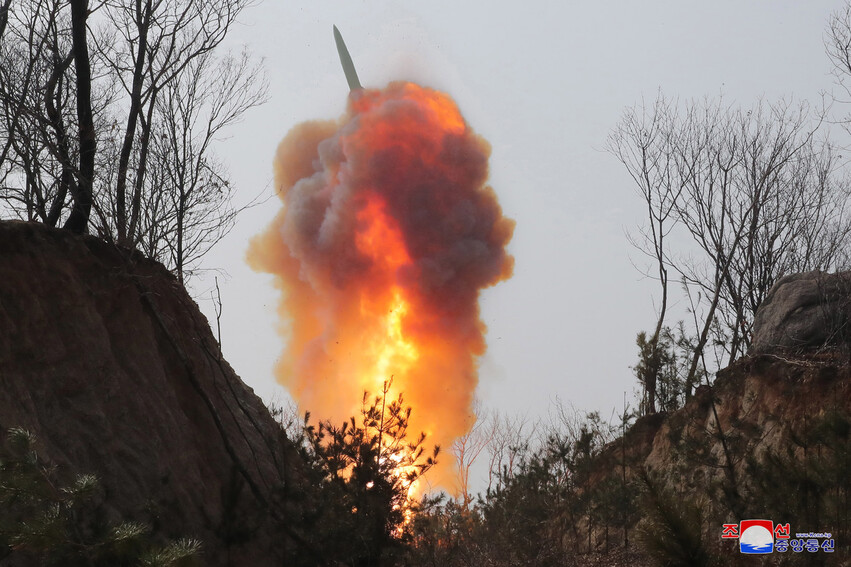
x=153 y=44
x=511 y=438
x=637 y=143
x=78 y=220
x=745 y=196
x=469 y=447
x=4 y=15
x=211 y=95
x=39 y=152
x=84 y=90
x=838 y=47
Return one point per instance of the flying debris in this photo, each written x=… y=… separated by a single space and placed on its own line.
x=346 y=61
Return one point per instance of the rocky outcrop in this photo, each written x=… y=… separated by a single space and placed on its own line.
x=757 y=404
x=105 y=357
x=804 y=311
x=768 y=439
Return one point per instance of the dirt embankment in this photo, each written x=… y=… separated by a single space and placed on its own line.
x=108 y=361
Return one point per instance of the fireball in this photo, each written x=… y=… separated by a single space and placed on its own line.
x=387 y=233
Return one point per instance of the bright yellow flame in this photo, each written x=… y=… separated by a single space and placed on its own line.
x=394 y=354
x=390 y=353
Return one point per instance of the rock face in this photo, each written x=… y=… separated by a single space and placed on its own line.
x=804 y=311
x=109 y=362
x=773 y=422
x=728 y=450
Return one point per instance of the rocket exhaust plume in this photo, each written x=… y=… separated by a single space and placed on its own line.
x=387 y=234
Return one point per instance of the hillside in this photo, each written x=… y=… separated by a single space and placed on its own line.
x=770 y=438
x=108 y=361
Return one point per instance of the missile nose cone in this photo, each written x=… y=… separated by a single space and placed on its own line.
x=346 y=61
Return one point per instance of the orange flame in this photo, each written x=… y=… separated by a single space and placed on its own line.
x=387 y=234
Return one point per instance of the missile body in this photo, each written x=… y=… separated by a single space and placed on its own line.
x=346 y=61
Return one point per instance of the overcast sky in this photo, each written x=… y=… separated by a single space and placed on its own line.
x=544 y=82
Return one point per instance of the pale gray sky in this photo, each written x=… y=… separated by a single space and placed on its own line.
x=544 y=82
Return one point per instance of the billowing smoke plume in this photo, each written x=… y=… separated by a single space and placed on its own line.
x=387 y=234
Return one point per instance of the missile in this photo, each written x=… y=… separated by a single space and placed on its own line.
x=346 y=61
